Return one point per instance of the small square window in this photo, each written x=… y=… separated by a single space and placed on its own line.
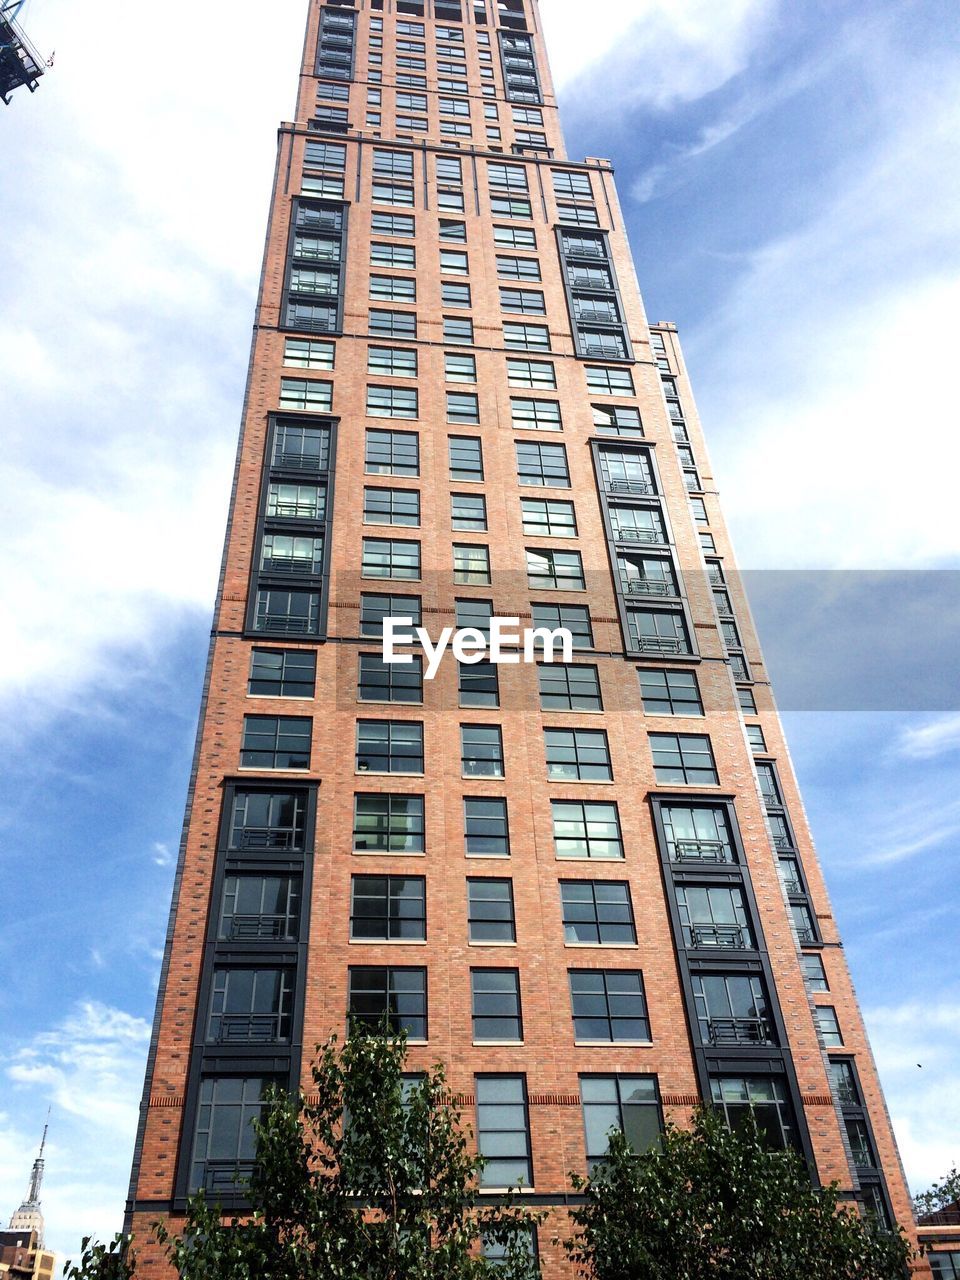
x=609 y=1005
x=486 y=828
x=670 y=693
x=471 y=564
x=459 y=368
x=582 y=755
x=478 y=684
x=282 y=673
x=463 y=408
x=495 y=995
x=468 y=511
x=381 y=681
x=684 y=758
x=276 y=742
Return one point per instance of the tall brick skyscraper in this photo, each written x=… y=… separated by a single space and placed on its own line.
x=588 y=888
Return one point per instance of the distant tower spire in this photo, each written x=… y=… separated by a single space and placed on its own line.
x=29 y=1216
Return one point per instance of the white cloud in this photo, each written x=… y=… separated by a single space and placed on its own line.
x=936 y=738
x=654 y=52
x=89 y=1069
x=924 y=1099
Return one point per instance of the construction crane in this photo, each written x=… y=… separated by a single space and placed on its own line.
x=20 y=63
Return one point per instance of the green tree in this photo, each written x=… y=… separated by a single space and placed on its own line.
x=113 y=1261
x=710 y=1203
x=939 y=1196
x=369 y=1179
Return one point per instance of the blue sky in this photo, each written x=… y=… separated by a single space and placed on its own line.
x=790 y=177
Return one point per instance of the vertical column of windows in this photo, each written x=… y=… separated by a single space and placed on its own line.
x=593 y=298
x=335 y=48
x=518 y=60
x=845 y=1086
x=316 y=263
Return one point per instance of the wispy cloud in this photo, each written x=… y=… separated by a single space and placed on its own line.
x=924 y=742
x=89 y=1068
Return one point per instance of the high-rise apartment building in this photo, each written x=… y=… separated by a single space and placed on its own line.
x=586 y=886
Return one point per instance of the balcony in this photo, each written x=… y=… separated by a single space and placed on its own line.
x=701 y=851
x=20 y=63
x=596 y=348
x=772 y=800
x=294 y=460
x=263 y=928
x=653 y=537
x=638 y=585
x=863 y=1158
x=630 y=486
x=252 y=1028
x=287 y=624
x=792 y=886
x=739 y=1031
x=226 y=1177
x=585 y=249
x=661 y=644
x=268 y=838
x=291 y=566
x=805 y=933
x=782 y=843
x=730 y=936
x=596 y=315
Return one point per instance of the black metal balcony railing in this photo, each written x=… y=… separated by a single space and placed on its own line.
x=771 y=799
x=312 y=324
x=226 y=1177
x=941 y=1218
x=606 y=350
x=792 y=886
x=718 y=935
x=782 y=842
x=805 y=933
x=295 y=511
x=596 y=315
x=660 y=644
x=252 y=1028
x=630 y=486
x=701 y=851
x=584 y=249
x=291 y=460
x=316 y=288
x=263 y=927
x=863 y=1157
x=638 y=585
x=304 y=566
x=268 y=838
x=288 y=624
x=652 y=537
x=739 y=1031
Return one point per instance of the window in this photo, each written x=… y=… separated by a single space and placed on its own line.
x=683 y=757
x=610 y=382
x=946 y=1266
x=395 y=998
x=714 y=916
x=374 y=608
x=381 y=681
x=481 y=751
x=658 y=631
x=532 y=373
x=411 y=102
x=468 y=511
x=282 y=673
x=747 y=701
x=732 y=1009
x=393 y=289
x=388 y=824
x=555 y=570
x=495 y=995
x=503 y=1131
x=767 y=777
x=478 y=684
x=476 y=614
x=699 y=510
x=575 y=618
x=828 y=1026
x=471 y=564
x=535 y=415
x=450 y=201
x=762 y=1096
x=296 y=501
x=393 y=164
x=755 y=737
x=542 y=464
x=813 y=971
x=224 y=1145
x=454 y=294
x=333 y=92
x=463 y=408
x=697 y=834
x=388 y=908
x=297 y=393
x=499 y=1255
x=454 y=263
x=525 y=337
x=490 y=916
x=284 y=553
x=276 y=742
x=391 y=362
x=597 y=913
x=486 y=831
x=323 y=185
x=545 y=518
x=515 y=237
x=617 y=420
x=391 y=506
x=325 y=155
x=670 y=693
x=287 y=612
x=400 y=193
x=528 y=302
x=458 y=329
x=803 y=922
x=572 y=186
x=566 y=687
x=393 y=324
x=456 y=231
x=389 y=558
x=458 y=368
x=267 y=820
x=307 y=354
x=581 y=754
x=584 y=830
x=392 y=224
x=250 y=1006
x=454 y=106
x=609 y=1005
x=260 y=908
x=392 y=453
x=389 y=746
x=510 y=268
x=511 y=177
x=466 y=458
x=628 y=1103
